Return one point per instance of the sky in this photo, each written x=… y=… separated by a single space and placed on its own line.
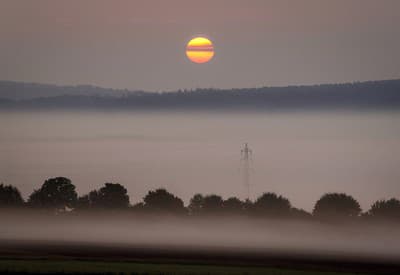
x=140 y=45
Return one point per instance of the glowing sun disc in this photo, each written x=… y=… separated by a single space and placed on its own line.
x=200 y=50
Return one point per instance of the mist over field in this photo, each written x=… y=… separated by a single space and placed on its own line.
x=235 y=236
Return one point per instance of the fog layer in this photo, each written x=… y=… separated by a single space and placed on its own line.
x=342 y=241
x=299 y=155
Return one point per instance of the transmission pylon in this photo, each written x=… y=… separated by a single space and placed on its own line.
x=245 y=161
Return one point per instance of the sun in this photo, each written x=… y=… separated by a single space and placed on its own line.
x=200 y=50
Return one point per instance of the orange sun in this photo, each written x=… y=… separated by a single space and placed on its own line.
x=200 y=50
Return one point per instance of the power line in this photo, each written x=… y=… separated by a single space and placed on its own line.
x=245 y=161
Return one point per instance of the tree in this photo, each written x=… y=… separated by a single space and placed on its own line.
x=233 y=206
x=10 y=196
x=161 y=201
x=212 y=204
x=196 y=204
x=336 y=206
x=90 y=200
x=271 y=205
x=206 y=205
x=56 y=193
x=385 y=210
x=110 y=196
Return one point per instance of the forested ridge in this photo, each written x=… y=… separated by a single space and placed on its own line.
x=383 y=94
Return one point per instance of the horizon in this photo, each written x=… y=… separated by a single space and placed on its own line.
x=79 y=85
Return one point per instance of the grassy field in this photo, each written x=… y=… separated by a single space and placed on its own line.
x=94 y=267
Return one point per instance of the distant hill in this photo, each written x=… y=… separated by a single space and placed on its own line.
x=360 y=95
x=21 y=90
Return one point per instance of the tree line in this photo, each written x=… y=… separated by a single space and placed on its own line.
x=59 y=195
x=360 y=95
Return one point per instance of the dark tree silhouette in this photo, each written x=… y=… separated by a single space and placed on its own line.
x=10 y=196
x=196 y=205
x=59 y=194
x=212 y=204
x=206 y=205
x=385 y=210
x=110 y=196
x=272 y=205
x=90 y=200
x=55 y=193
x=161 y=201
x=233 y=206
x=336 y=206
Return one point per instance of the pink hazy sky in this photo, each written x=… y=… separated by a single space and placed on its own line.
x=141 y=44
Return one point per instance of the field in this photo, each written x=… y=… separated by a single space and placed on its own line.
x=33 y=257
x=103 y=267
